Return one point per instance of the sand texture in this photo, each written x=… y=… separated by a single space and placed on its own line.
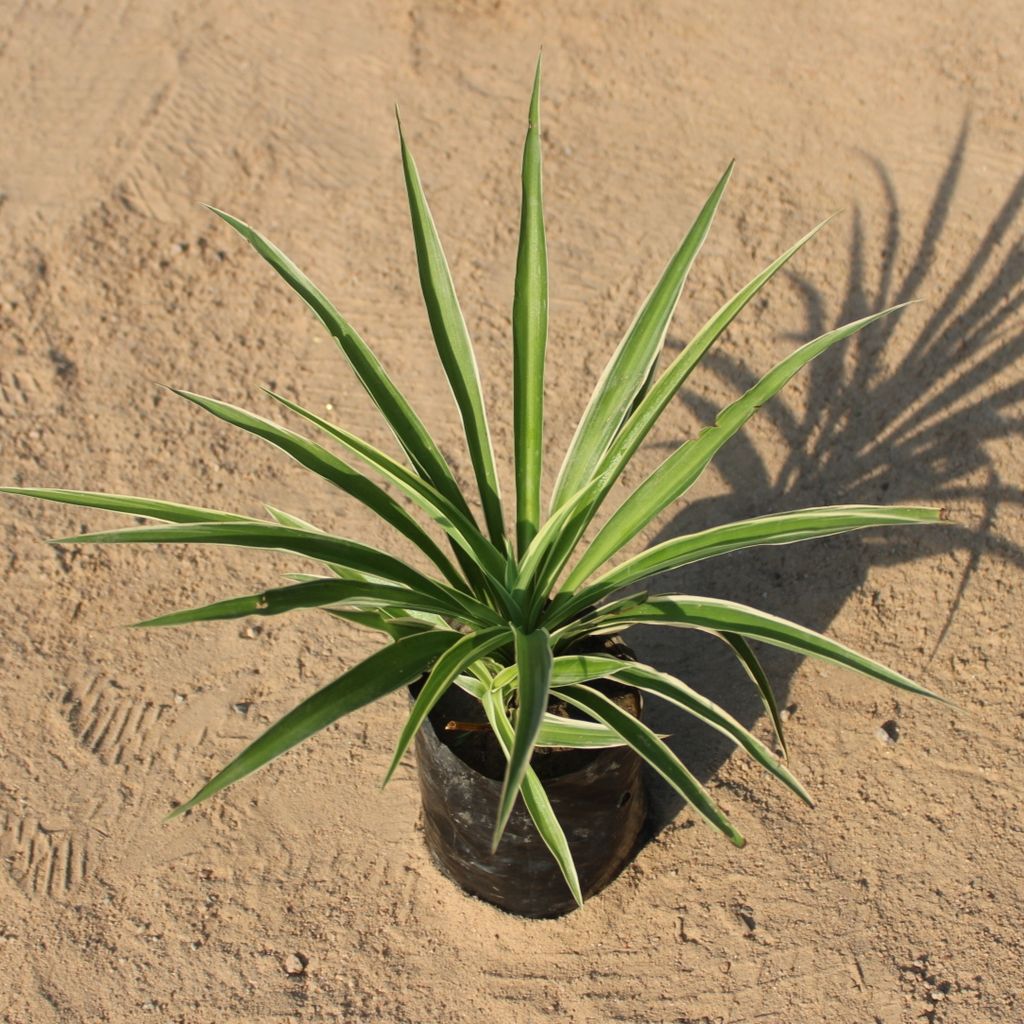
x=305 y=894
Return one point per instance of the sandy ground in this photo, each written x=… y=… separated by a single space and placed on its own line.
x=899 y=897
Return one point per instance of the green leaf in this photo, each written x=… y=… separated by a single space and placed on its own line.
x=654 y=752
x=391 y=625
x=150 y=508
x=632 y=363
x=574 y=734
x=407 y=427
x=395 y=666
x=316 y=458
x=457 y=524
x=649 y=408
x=529 y=334
x=533 y=564
x=453 y=344
x=719 y=616
x=588 y=623
x=427 y=618
x=311 y=594
x=287 y=519
x=661 y=393
x=778 y=528
x=533 y=664
x=452 y=663
x=674 y=690
x=681 y=469
x=392 y=620
x=476 y=682
x=537 y=803
x=754 y=669
x=341 y=571
x=321 y=546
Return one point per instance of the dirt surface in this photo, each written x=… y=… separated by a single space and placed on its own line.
x=306 y=894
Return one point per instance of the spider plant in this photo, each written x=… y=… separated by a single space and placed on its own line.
x=499 y=611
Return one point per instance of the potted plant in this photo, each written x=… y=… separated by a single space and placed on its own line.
x=517 y=688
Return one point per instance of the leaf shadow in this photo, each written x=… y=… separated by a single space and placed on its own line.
x=873 y=426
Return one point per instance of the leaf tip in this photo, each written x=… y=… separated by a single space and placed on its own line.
x=389 y=773
x=535 y=95
x=239 y=225
x=499 y=831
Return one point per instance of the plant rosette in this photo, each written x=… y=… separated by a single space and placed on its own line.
x=501 y=612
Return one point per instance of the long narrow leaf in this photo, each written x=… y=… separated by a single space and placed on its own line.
x=453 y=344
x=632 y=363
x=328 y=466
x=674 y=690
x=393 y=626
x=149 y=508
x=779 y=528
x=344 y=573
x=661 y=393
x=396 y=622
x=537 y=803
x=574 y=734
x=395 y=666
x=315 y=593
x=720 y=616
x=589 y=623
x=320 y=546
x=407 y=427
x=532 y=563
x=529 y=334
x=533 y=664
x=341 y=571
x=649 y=408
x=675 y=475
x=457 y=524
x=655 y=753
x=452 y=663
x=755 y=670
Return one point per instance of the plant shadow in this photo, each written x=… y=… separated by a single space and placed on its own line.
x=870 y=428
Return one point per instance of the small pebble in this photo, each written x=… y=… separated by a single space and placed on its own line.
x=295 y=964
x=242 y=707
x=888 y=733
